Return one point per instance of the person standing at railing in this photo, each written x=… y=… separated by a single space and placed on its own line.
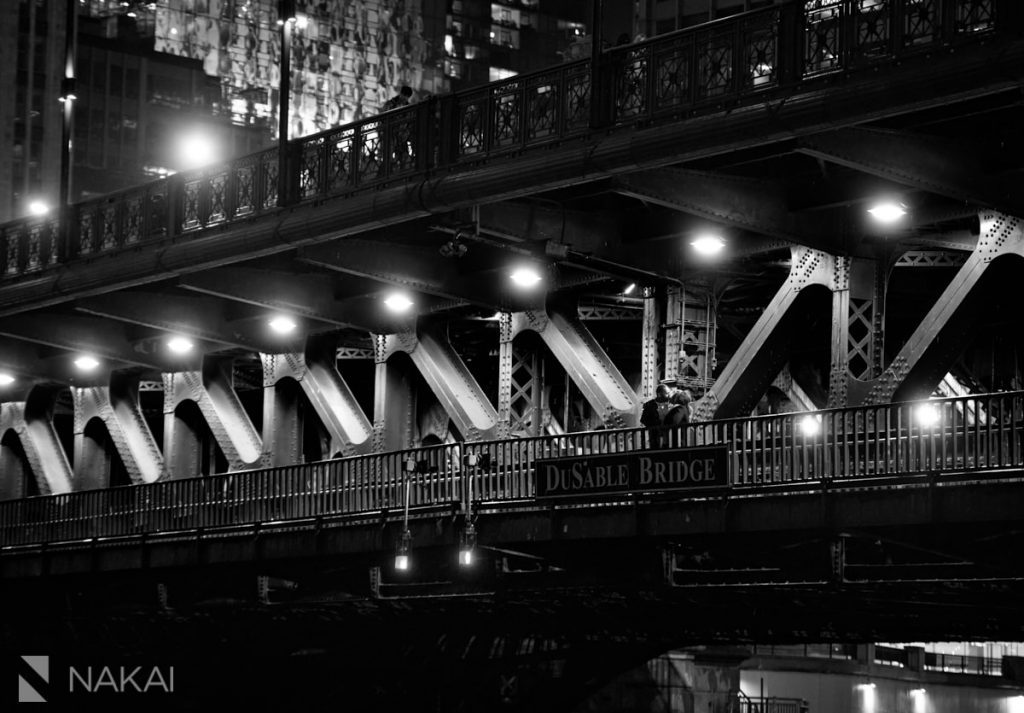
x=678 y=417
x=654 y=414
x=403 y=98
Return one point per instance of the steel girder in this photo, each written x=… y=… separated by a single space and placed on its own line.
x=586 y=363
x=308 y=295
x=449 y=379
x=212 y=391
x=751 y=204
x=199 y=317
x=922 y=162
x=315 y=371
x=117 y=406
x=31 y=419
x=929 y=351
x=762 y=353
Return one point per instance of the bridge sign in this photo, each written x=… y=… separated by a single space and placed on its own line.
x=673 y=469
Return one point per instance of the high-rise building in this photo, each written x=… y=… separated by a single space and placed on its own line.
x=133 y=105
x=486 y=41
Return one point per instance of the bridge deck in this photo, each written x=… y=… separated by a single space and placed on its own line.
x=766 y=74
x=979 y=434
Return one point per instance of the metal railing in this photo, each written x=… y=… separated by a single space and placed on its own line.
x=842 y=652
x=746 y=704
x=745 y=58
x=954 y=663
x=762 y=452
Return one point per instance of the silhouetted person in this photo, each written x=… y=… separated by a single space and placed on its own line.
x=654 y=413
x=401 y=99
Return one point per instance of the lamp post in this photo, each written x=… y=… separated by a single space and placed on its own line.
x=405 y=541
x=285 y=20
x=467 y=543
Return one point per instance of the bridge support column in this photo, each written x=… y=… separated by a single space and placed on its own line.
x=585 y=362
x=650 y=364
x=450 y=381
x=31 y=421
x=505 y=364
x=117 y=406
x=528 y=404
x=212 y=390
x=316 y=373
x=282 y=417
x=856 y=325
x=763 y=352
x=393 y=401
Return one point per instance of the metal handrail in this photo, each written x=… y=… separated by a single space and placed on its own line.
x=741 y=59
x=761 y=452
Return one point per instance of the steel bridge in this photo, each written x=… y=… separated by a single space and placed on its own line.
x=248 y=465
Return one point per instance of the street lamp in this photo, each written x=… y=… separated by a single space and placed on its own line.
x=195 y=150
x=467 y=542
x=38 y=207
x=405 y=541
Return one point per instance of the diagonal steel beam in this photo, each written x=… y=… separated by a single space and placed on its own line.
x=764 y=350
x=31 y=420
x=936 y=343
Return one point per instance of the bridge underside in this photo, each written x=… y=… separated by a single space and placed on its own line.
x=810 y=303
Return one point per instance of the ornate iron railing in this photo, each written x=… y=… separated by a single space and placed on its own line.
x=966 y=434
x=746 y=58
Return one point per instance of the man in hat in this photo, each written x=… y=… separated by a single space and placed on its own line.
x=654 y=413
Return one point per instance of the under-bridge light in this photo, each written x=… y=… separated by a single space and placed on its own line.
x=180 y=345
x=927 y=415
x=467 y=547
x=525 y=277
x=86 y=363
x=397 y=302
x=628 y=290
x=887 y=211
x=402 y=554
x=810 y=425
x=708 y=245
x=6 y=379
x=283 y=325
